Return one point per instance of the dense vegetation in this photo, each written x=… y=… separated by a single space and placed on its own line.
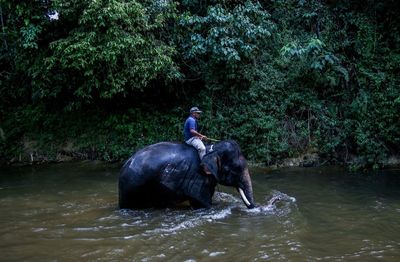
x=98 y=79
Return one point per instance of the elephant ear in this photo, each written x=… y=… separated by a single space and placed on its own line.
x=211 y=164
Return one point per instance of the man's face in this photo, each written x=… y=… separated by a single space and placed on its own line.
x=196 y=115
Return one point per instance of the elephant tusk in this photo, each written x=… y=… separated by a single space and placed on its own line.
x=244 y=197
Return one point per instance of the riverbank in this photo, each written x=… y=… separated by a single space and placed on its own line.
x=306 y=160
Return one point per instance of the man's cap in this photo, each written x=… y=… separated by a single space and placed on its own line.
x=195 y=109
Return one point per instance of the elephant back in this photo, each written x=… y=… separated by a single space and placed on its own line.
x=153 y=158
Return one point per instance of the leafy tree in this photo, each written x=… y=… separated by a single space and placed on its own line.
x=218 y=45
x=114 y=48
x=22 y=27
x=284 y=77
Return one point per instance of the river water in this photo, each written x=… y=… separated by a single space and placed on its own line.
x=68 y=212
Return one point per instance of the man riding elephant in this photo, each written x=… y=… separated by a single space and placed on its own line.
x=165 y=174
x=191 y=133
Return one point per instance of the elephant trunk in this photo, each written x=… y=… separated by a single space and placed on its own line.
x=245 y=189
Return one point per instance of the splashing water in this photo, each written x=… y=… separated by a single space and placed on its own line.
x=171 y=221
x=277 y=203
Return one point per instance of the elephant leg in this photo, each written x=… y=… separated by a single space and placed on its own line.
x=196 y=204
x=152 y=195
x=131 y=198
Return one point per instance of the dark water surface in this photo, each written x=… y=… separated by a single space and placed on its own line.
x=69 y=212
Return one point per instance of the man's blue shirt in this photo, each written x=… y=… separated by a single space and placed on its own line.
x=190 y=123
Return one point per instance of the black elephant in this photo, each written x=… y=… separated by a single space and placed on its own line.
x=165 y=174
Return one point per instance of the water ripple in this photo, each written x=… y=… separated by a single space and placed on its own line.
x=171 y=221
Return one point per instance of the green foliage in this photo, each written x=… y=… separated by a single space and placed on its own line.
x=94 y=135
x=224 y=39
x=114 y=49
x=22 y=26
x=136 y=129
x=283 y=77
x=227 y=35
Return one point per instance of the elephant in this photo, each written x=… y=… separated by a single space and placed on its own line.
x=166 y=174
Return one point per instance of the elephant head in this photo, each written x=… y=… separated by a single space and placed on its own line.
x=229 y=167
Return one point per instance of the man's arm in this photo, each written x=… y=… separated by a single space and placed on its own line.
x=195 y=133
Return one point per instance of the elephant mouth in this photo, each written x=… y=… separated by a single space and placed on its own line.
x=245 y=199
